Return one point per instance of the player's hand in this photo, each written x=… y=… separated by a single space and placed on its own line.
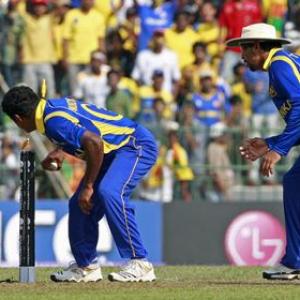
x=64 y=63
x=268 y=162
x=254 y=148
x=85 y=199
x=56 y=156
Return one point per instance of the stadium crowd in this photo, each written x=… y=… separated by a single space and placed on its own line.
x=162 y=63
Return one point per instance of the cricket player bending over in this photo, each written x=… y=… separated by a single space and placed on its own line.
x=261 y=50
x=118 y=153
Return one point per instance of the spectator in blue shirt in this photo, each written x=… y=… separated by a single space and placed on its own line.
x=209 y=102
x=263 y=110
x=156 y=16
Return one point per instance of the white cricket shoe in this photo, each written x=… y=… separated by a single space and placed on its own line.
x=281 y=272
x=136 y=270
x=73 y=273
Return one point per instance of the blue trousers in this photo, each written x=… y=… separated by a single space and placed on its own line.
x=121 y=171
x=291 y=201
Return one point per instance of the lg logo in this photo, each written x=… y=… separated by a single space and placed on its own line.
x=254 y=238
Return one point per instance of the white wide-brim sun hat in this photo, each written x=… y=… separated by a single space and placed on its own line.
x=257 y=32
x=217 y=130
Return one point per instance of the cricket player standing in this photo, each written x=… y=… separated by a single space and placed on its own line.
x=261 y=50
x=118 y=153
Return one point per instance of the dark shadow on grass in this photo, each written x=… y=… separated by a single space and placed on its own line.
x=8 y=280
x=266 y=283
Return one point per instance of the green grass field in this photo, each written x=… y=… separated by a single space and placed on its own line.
x=174 y=282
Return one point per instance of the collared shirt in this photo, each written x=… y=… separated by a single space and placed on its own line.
x=284 y=74
x=64 y=121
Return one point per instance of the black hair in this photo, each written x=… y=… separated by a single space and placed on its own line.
x=268 y=45
x=20 y=100
x=235 y=99
x=158 y=100
x=199 y=44
x=113 y=71
x=156 y=74
x=237 y=66
x=114 y=34
x=211 y=3
x=131 y=11
x=179 y=14
x=264 y=45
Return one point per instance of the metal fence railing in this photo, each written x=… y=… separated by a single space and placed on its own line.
x=235 y=180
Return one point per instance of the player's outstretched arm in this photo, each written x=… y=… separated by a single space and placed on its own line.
x=92 y=145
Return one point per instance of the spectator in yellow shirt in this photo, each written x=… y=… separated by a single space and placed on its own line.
x=38 y=53
x=130 y=29
x=186 y=86
x=181 y=39
x=109 y=9
x=84 y=31
x=117 y=56
x=60 y=8
x=177 y=158
x=149 y=93
x=201 y=62
x=209 y=29
x=239 y=88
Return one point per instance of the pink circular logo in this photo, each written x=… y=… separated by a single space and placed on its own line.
x=254 y=238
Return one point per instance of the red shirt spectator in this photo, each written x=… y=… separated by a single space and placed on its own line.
x=236 y=14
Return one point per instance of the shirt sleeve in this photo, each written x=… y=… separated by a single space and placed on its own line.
x=287 y=80
x=67 y=26
x=175 y=68
x=79 y=89
x=65 y=131
x=100 y=26
x=222 y=18
x=136 y=73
